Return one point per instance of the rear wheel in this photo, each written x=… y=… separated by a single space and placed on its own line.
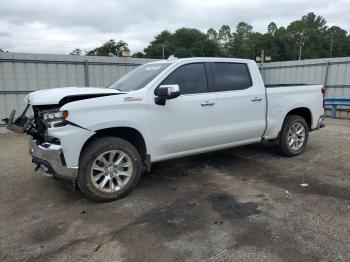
x=294 y=136
x=109 y=169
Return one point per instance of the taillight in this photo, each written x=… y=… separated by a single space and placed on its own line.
x=323 y=91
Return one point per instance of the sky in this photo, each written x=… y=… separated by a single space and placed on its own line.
x=57 y=27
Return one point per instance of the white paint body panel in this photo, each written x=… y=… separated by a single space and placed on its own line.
x=54 y=95
x=181 y=127
x=183 y=124
x=240 y=118
x=283 y=100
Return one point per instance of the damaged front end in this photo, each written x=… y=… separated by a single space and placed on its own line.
x=46 y=151
x=55 y=142
x=22 y=124
x=33 y=125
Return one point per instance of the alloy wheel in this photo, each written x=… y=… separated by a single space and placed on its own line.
x=111 y=171
x=296 y=136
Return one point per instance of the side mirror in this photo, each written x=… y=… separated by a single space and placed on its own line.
x=165 y=92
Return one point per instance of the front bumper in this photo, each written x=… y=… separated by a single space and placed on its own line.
x=49 y=157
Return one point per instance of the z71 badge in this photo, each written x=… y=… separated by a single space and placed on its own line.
x=132 y=99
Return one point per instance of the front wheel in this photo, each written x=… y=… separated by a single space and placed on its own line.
x=109 y=169
x=294 y=136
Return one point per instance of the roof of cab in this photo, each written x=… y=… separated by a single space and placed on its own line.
x=200 y=59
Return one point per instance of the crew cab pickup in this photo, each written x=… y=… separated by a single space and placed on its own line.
x=102 y=139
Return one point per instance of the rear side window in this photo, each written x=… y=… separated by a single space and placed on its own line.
x=230 y=76
x=191 y=79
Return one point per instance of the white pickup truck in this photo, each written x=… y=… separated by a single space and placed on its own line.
x=102 y=139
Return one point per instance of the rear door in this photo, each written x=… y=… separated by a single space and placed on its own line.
x=241 y=102
x=190 y=121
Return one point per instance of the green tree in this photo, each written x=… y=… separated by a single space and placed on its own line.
x=297 y=37
x=138 y=55
x=155 y=48
x=225 y=39
x=280 y=40
x=272 y=42
x=337 y=42
x=306 y=37
x=272 y=28
x=184 y=42
x=76 y=51
x=110 y=48
x=212 y=34
x=253 y=45
x=239 y=43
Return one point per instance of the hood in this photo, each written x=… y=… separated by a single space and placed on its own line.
x=64 y=95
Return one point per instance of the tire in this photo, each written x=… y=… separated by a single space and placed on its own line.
x=105 y=174
x=289 y=133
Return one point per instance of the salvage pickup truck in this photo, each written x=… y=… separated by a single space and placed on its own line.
x=102 y=139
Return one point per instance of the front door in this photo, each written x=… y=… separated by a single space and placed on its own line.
x=189 y=122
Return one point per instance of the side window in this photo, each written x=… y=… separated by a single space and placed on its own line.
x=230 y=76
x=191 y=79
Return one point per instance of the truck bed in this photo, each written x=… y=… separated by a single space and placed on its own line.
x=283 y=98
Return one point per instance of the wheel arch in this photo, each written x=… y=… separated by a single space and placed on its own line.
x=304 y=112
x=130 y=134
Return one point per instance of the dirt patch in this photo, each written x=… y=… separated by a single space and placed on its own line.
x=316 y=187
x=44 y=232
x=228 y=207
x=177 y=218
x=281 y=244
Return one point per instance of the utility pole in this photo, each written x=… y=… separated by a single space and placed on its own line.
x=331 y=49
x=301 y=44
x=262 y=63
x=163 y=50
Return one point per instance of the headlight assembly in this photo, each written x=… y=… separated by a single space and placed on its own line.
x=55 y=118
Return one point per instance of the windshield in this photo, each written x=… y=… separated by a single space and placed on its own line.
x=139 y=77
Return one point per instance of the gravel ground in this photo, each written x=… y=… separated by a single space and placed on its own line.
x=242 y=204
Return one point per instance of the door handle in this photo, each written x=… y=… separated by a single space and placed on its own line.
x=256 y=99
x=207 y=103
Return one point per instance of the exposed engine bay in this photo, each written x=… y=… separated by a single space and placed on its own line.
x=32 y=125
x=44 y=116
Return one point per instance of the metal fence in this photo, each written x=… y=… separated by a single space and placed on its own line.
x=333 y=73
x=23 y=73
